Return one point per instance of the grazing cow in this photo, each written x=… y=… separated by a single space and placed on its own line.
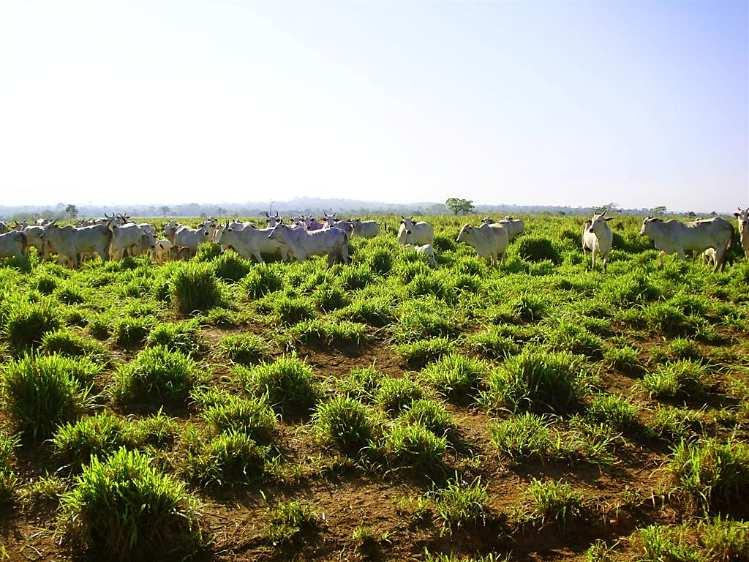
x=162 y=251
x=597 y=238
x=428 y=251
x=302 y=244
x=415 y=233
x=251 y=242
x=70 y=243
x=366 y=229
x=12 y=244
x=743 y=216
x=513 y=226
x=35 y=238
x=188 y=239
x=672 y=236
x=489 y=240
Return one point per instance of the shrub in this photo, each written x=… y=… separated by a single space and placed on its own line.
x=26 y=323
x=538 y=381
x=414 y=446
x=290 y=520
x=99 y=435
x=346 y=423
x=252 y=416
x=176 y=336
x=538 y=249
x=525 y=437
x=43 y=392
x=230 y=266
x=155 y=375
x=229 y=458
x=287 y=382
x=460 y=504
x=715 y=476
x=493 y=343
x=395 y=394
x=419 y=353
x=69 y=343
x=431 y=415
x=125 y=509
x=455 y=376
x=245 y=349
x=195 y=288
x=612 y=411
x=263 y=279
x=555 y=500
x=132 y=332
x=676 y=380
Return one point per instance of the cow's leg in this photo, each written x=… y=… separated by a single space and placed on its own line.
x=720 y=258
x=605 y=260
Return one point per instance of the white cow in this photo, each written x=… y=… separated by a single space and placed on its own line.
x=743 y=217
x=170 y=229
x=162 y=251
x=597 y=238
x=489 y=240
x=366 y=229
x=272 y=220
x=12 y=244
x=672 y=236
x=188 y=239
x=301 y=244
x=70 y=243
x=415 y=233
x=513 y=226
x=35 y=237
x=428 y=251
x=251 y=242
x=129 y=240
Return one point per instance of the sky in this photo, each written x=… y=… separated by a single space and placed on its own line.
x=640 y=103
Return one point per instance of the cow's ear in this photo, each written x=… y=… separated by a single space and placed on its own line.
x=609 y=218
x=737 y=215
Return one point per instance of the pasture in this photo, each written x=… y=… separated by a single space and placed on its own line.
x=219 y=409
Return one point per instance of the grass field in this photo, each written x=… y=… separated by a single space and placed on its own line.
x=223 y=410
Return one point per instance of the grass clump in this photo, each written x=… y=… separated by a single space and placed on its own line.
x=419 y=353
x=455 y=376
x=26 y=323
x=229 y=458
x=574 y=338
x=461 y=504
x=524 y=437
x=340 y=334
x=613 y=411
x=725 y=539
x=676 y=380
x=431 y=415
x=8 y=479
x=329 y=297
x=125 y=509
x=99 y=435
x=554 y=500
x=71 y=344
x=250 y=416
x=176 y=336
x=195 y=288
x=156 y=375
x=262 y=280
x=361 y=383
x=493 y=343
x=345 y=423
x=415 y=446
x=292 y=310
x=287 y=382
x=290 y=521
x=230 y=266
x=42 y=392
x=676 y=424
x=536 y=249
x=132 y=332
x=661 y=543
x=395 y=394
x=624 y=358
x=537 y=381
x=244 y=349
x=714 y=476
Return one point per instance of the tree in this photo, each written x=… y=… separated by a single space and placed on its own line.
x=71 y=211
x=459 y=206
x=165 y=210
x=659 y=210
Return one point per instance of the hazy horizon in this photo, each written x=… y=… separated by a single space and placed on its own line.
x=533 y=103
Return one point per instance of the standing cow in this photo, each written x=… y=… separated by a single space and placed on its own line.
x=12 y=244
x=251 y=242
x=301 y=244
x=366 y=229
x=674 y=237
x=489 y=240
x=415 y=233
x=743 y=217
x=597 y=238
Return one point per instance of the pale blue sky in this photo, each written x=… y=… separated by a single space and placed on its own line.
x=639 y=103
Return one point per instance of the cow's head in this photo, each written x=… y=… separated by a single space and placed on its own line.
x=277 y=231
x=743 y=216
x=598 y=223
x=465 y=233
x=648 y=225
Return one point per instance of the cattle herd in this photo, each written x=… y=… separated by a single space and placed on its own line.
x=115 y=237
